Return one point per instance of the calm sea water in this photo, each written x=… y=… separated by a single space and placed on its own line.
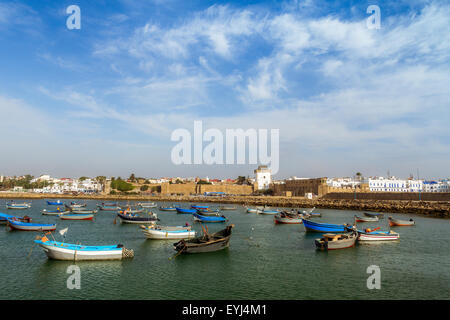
x=264 y=261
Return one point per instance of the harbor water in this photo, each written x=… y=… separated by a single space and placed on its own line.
x=264 y=261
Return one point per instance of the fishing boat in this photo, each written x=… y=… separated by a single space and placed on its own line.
x=268 y=211
x=82 y=211
x=28 y=226
x=130 y=210
x=147 y=205
x=366 y=219
x=4 y=218
x=135 y=218
x=109 y=204
x=205 y=243
x=74 y=205
x=77 y=216
x=77 y=252
x=309 y=212
x=207 y=211
x=288 y=218
x=324 y=227
x=374 y=214
x=186 y=211
x=253 y=210
x=397 y=222
x=214 y=218
x=376 y=235
x=315 y=214
x=157 y=232
x=54 y=212
x=19 y=206
x=193 y=206
x=330 y=241
x=227 y=208
x=108 y=208
x=167 y=208
x=55 y=203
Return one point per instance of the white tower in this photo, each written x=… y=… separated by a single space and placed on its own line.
x=263 y=177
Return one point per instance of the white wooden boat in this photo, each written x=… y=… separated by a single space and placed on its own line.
x=397 y=222
x=75 y=252
x=378 y=236
x=166 y=232
x=147 y=205
x=254 y=210
x=330 y=241
x=77 y=216
x=53 y=212
x=18 y=206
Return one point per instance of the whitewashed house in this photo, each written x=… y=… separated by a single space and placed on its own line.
x=263 y=176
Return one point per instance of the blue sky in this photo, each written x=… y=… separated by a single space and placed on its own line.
x=104 y=100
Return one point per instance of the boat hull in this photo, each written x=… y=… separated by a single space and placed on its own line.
x=323 y=227
x=380 y=236
x=66 y=253
x=136 y=220
x=25 y=226
x=156 y=234
x=219 y=241
x=53 y=213
x=167 y=209
x=77 y=216
x=366 y=219
x=186 y=211
x=201 y=218
x=285 y=220
x=336 y=245
x=401 y=223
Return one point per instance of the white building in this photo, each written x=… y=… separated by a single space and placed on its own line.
x=343 y=182
x=263 y=176
x=392 y=184
x=435 y=186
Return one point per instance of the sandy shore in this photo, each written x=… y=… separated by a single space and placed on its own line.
x=440 y=209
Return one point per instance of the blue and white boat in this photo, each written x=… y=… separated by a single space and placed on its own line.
x=4 y=218
x=324 y=227
x=74 y=252
x=186 y=211
x=55 y=203
x=13 y=205
x=268 y=211
x=198 y=217
x=167 y=208
x=28 y=226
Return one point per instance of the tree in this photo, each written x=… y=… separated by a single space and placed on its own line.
x=240 y=180
x=203 y=182
x=132 y=178
x=144 y=188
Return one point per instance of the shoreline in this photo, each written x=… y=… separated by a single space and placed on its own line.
x=438 y=209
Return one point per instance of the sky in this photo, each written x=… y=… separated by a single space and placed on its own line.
x=105 y=99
